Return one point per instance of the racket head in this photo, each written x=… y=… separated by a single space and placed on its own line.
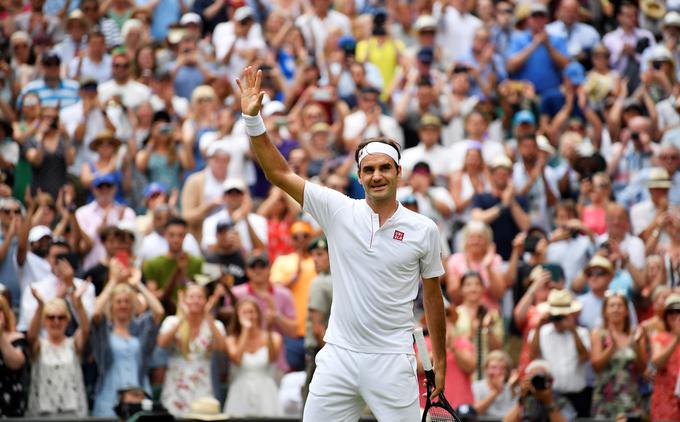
x=438 y=412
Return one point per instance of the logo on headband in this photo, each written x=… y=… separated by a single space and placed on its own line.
x=398 y=235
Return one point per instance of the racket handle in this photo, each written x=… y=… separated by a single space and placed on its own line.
x=422 y=349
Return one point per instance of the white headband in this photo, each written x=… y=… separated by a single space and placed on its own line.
x=379 y=148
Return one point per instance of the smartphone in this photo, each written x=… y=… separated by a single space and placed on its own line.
x=124 y=258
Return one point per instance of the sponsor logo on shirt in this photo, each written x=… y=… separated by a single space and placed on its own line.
x=398 y=235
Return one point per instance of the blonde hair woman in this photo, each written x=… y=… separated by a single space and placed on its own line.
x=202 y=118
x=193 y=335
x=122 y=341
x=56 y=358
x=12 y=360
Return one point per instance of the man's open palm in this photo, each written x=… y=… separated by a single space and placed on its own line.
x=251 y=96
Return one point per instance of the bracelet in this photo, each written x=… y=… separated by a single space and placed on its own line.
x=254 y=125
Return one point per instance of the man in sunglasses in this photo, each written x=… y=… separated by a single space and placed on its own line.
x=123 y=86
x=276 y=302
x=51 y=88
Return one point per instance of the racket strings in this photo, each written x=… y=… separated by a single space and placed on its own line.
x=439 y=414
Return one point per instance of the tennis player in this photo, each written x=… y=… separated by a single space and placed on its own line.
x=378 y=251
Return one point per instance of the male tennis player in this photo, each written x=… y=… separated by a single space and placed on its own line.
x=379 y=251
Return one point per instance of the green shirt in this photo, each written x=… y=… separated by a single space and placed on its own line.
x=161 y=269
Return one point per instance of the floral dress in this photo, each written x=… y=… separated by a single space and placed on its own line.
x=665 y=404
x=617 y=386
x=188 y=377
x=12 y=392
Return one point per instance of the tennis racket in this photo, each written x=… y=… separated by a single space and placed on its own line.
x=440 y=410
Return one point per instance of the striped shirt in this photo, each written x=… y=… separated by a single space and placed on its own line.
x=63 y=95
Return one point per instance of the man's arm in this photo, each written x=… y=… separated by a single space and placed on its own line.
x=436 y=326
x=272 y=162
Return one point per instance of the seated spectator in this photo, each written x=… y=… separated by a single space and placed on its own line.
x=251 y=227
x=479 y=255
x=619 y=360
x=493 y=394
x=594 y=198
x=56 y=357
x=501 y=208
x=193 y=335
x=566 y=348
x=57 y=284
x=252 y=347
x=121 y=339
x=665 y=405
x=538 y=400
x=167 y=274
x=484 y=326
x=13 y=356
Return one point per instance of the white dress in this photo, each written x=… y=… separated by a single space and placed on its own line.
x=188 y=377
x=253 y=391
x=57 y=387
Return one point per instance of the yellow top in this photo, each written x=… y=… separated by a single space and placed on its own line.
x=282 y=271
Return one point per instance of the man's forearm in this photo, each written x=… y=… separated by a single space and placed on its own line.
x=436 y=321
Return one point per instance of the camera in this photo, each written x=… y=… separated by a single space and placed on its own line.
x=530 y=244
x=539 y=381
x=556 y=318
x=641 y=45
x=657 y=65
x=635 y=136
x=379 y=22
x=574 y=233
x=165 y=129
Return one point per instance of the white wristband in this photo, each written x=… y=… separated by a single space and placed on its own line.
x=254 y=125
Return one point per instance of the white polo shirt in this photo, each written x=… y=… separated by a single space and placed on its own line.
x=375 y=270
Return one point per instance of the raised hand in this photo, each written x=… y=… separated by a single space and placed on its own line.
x=38 y=297
x=251 y=95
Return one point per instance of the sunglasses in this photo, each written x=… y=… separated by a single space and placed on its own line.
x=56 y=317
x=597 y=273
x=11 y=211
x=121 y=65
x=302 y=236
x=104 y=186
x=673 y=312
x=258 y=264
x=505 y=11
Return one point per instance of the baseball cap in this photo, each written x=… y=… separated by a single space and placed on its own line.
x=671 y=19
x=425 y=55
x=425 y=22
x=190 y=18
x=318 y=243
x=243 y=13
x=50 y=58
x=660 y=53
x=153 y=189
x=104 y=178
x=575 y=72
x=524 y=116
x=273 y=107
x=256 y=257
x=347 y=43
x=38 y=232
x=233 y=184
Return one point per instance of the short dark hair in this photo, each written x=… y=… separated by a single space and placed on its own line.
x=176 y=221
x=382 y=139
x=108 y=231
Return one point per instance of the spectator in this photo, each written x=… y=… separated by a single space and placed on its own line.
x=94 y=63
x=296 y=272
x=167 y=274
x=155 y=243
x=56 y=357
x=628 y=248
x=52 y=90
x=665 y=404
x=112 y=239
x=106 y=145
x=651 y=218
x=619 y=359
x=121 y=339
x=319 y=305
x=581 y=37
x=252 y=349
x=479 y=255
x=471 y=179
x=369 y=120
x=501 y=208
x=193 y=336
x=594 y=198
x=380 y=48
x=122 y=89
x=457 y=24
x=538 y=401
x=434 y=201
x=317 y=22
x=75 y=40
x=474 y=320
x=627 y=42
x=238 y=41
x=493 y=394
x=280 y=210
x=501 y=31
x=486 y=66
x=566 y=348
x=419 y=99
x=535 y=55
x=57 y=284
x=13 y=354
x=228 y=253
x=251 y=227
x=428 y=149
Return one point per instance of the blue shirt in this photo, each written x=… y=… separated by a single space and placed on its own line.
x=165 y=14
x=496 y=66
x=591 y=314
x=553 y=101
x=580 y=36
x=539 y=68
x=63 y=95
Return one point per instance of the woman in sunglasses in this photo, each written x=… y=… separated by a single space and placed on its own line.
x=665 y=404
x=57 y=387
x=619 y=358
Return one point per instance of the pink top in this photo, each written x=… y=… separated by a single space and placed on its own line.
x=665 y=404
x=458 y=264
x=458 y=386
x=594 y=218
x=91 y=217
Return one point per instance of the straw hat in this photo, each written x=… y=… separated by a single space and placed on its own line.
x=205 y=409
x=560 y=302
x=104 y=135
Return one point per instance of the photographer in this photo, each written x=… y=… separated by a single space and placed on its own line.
x=537 y=402
x=565 y=347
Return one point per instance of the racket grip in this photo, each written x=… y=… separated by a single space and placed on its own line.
x=423 y=353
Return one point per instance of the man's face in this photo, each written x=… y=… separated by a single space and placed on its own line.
x=569 y=12
x=227 y=239
x=233 y=199
x=617 y=222
x=301 y=239
x=598 y=279
x=367 y=101
x=51 y=70
x=121 y=68
x=8 y=213
x=321 y=260
x=96 y=44
x=175 y=234
x=528 y=150
x=76 y=29
x=104 y=193
x=659 y=196
x=537 y=22
x=628 y=16
x=218 y=163
x=500 y=177
x=669 y=158
x=258 y=272
x=379 y=176
x=504 y=11
x=41 y=247
x=428 y=135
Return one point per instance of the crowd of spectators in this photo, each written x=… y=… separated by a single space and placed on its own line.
x=141 y=245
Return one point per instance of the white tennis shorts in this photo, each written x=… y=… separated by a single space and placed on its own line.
x=345 y=382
